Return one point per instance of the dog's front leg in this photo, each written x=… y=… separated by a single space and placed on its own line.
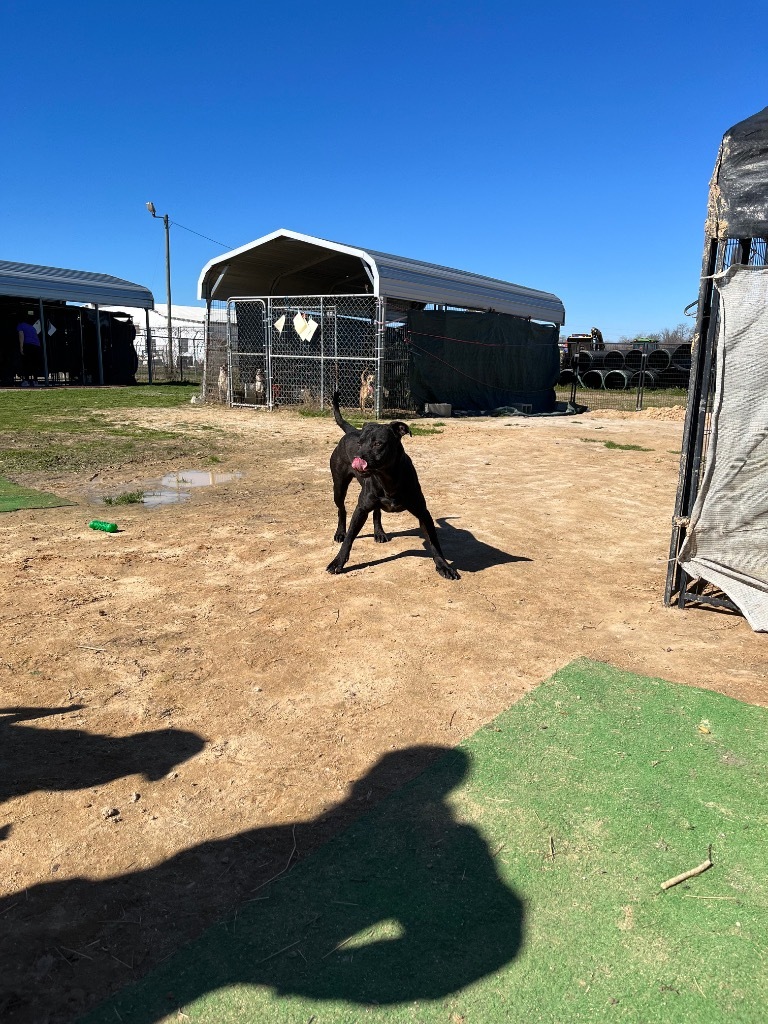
x=340 y=486
x=341 y=528
x=433 y=545
x=356 y=524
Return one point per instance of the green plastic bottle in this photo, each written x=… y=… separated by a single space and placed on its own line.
x=100 y=524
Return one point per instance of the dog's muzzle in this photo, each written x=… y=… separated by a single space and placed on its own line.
x=359 y=464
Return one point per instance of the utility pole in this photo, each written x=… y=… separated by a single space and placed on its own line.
x=167 y=225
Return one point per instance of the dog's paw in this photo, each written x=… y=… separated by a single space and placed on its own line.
x=381 y=538
x=339 y=537
x=335 y=567
x=448 y=572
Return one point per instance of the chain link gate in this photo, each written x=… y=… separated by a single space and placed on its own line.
x=248 y=377
x=298 y=350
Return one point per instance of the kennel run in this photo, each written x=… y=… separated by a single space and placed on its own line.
x=291 y=318
x=719 y=548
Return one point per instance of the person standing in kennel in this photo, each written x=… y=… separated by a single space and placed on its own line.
x=31 y=352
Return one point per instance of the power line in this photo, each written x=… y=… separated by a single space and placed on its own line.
x=193 y=232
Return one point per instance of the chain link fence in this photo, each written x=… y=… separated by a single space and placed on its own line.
x=183 y=360
x=279 y=351
x=297 y=350
x=625 y=377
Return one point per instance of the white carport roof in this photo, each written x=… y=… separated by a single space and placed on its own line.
x=289 y=263
x=53 y=284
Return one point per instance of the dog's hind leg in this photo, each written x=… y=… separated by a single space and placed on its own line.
x=433 y=545
x=340 y=488
x=378 y=530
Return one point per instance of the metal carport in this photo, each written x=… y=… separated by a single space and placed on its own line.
x=40 y=284
x=289 y=263
x=287 y=273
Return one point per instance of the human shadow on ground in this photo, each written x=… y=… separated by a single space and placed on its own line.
x=407 y=904
x=462 y=549
x=34 y=759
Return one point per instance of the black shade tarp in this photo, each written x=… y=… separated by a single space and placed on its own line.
x=738 y=194
x=482 y=361
x=71 y=342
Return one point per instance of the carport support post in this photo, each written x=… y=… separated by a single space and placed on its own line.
x=45 y=346
x=381 y=305
x=98 y=344
x=82 y=350
x=322 y=356
x=149 y=347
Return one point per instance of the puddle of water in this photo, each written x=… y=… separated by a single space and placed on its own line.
x=177 y=487
x=197 y=478
x=153 y=498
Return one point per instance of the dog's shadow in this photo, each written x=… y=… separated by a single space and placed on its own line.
x=462 y=549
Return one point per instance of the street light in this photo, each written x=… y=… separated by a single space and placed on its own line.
x=167 y=223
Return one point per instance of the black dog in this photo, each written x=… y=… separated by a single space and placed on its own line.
x=388 y=481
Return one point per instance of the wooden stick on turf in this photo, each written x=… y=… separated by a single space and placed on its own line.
x=705 y=866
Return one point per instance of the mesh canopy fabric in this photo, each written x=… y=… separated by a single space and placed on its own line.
x=738 y=199
x=727 y=540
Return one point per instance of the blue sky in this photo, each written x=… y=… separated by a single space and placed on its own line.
x=563 y=146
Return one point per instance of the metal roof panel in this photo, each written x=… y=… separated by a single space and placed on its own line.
x=54 y=284
x=291 y=254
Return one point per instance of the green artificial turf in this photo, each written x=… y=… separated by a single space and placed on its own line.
x=518 y=879
x=13 y=498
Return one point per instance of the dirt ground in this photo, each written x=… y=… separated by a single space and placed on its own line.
x=186 y=700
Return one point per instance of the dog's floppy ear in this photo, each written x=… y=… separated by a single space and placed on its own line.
x=400 y=428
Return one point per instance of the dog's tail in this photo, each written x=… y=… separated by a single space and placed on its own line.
x=346 y=427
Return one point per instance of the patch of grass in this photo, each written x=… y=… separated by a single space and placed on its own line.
x=58 y=455
x=126 y=498
x=424 y=431
x=26 y=408
x=74 y=429
x=306 y=410
x=627 y=447
x=614 y=445
x=517 y=879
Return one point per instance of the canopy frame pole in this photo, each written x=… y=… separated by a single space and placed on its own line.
x=82 y=345
x=98 y=344
x=42 y=337
x=322 y=356
x=149 y=347
x=381 y=326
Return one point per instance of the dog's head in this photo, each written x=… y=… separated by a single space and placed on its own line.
x=380 y=445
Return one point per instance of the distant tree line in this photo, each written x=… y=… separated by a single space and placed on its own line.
x=680 y=335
